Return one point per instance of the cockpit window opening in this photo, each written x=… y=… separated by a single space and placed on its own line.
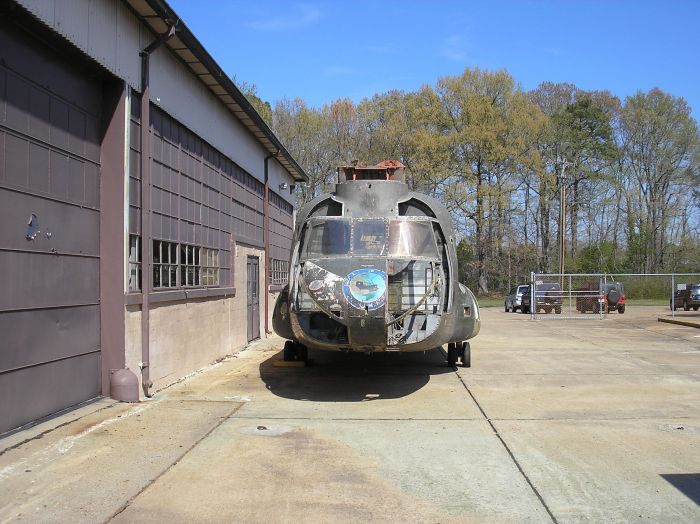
x=328 y=238
x=369 y=237
x=409 y=237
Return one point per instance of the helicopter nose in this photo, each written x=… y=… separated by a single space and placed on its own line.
x=367 y=331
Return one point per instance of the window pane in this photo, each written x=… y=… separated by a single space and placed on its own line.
x=156 y=251
x=411 y=238
x=329 y=238
x=369 y=237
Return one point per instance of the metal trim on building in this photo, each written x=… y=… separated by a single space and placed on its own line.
x=158 y=16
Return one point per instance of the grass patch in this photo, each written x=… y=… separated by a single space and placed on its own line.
x=490 y=301
x=647 y=302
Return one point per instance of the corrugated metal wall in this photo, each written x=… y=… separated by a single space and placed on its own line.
x=49 y=274
x=200 y=196
x=112 y=35
x=281 y=227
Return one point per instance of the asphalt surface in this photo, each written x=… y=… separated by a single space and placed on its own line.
x=557 y=421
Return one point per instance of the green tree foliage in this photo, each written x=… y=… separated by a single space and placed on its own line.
x=660 y=141
x=494 y=156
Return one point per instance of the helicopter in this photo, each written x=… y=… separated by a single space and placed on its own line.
x=373 y=268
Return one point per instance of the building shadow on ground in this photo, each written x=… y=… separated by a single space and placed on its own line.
x=686 y=483
x=350 y=377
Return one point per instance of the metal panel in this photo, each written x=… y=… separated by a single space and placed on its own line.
x=64 y=228
x=104 y=29
x=35 y=280
x=183 y=96
x=64 y=332
x=73 y=18
x=49 y=175
x=35 y=392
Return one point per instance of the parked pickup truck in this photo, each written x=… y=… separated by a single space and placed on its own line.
x=548 y=298
x=687 y=298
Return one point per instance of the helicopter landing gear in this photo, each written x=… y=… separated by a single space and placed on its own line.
x=451 y=354
x=295 y=351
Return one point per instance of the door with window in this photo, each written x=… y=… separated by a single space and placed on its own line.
x=253 y=298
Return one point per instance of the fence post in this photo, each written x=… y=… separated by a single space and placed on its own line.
x=673 y=296
x=533 y=296
x=569 y=295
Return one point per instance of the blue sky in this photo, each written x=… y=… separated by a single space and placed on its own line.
x=322 y=51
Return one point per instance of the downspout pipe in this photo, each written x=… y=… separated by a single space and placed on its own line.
x=266 y=240
x=146 y=242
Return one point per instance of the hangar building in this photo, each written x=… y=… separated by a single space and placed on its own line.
x=146 y=209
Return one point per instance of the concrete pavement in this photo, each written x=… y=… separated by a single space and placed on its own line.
x=565 y=421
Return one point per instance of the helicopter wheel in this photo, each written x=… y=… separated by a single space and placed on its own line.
x=451 y=354
x=294 y=351
x=466 y=354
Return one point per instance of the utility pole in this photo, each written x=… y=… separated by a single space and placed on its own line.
x=562 y=218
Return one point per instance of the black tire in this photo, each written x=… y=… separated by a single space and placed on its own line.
x=295 y=351
x=302 y=352
x=505 y=306
x=613 y=297
x=451 y=354
x=289 y=351
x=695 y=308
x=524 y=309
x=466 y=355
x=686 y=307
x=621 y=309
x=557 y=310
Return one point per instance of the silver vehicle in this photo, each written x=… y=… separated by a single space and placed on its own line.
x=513 y=300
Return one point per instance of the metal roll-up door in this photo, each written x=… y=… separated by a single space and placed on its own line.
x=49 y=233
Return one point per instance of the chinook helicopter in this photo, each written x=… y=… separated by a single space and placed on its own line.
x=373 y=268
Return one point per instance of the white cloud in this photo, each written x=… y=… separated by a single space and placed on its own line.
x=454 y=49
x=301 y=15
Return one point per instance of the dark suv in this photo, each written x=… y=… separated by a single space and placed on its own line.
x=687 y=298
x=591 y=298
x=548 y=297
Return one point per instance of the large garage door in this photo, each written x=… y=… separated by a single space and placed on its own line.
x=49 y=232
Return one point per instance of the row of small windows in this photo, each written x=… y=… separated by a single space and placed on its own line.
x=174 y=265
x=280 y=203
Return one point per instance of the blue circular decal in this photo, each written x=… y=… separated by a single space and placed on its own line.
x=365 y=288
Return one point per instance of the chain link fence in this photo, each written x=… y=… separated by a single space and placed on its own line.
x=587 y=296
